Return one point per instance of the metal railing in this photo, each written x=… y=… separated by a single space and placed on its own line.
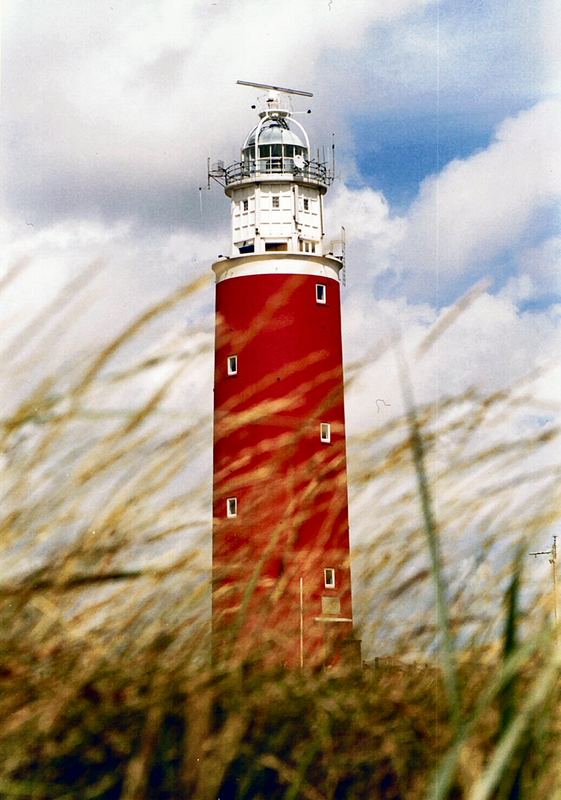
x=243 y=170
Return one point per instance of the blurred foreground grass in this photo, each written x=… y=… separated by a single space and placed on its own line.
x=106 y=690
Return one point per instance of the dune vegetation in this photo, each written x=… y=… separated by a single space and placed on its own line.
x=106 y=686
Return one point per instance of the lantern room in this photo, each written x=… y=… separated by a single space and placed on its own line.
x=276 y=188
x=273 y=147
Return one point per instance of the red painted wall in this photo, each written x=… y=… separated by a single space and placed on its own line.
x=291 y=488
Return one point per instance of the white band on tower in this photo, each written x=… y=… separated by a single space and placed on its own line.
x=277 y=264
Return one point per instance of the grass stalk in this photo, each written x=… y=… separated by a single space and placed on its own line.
x=430 y=527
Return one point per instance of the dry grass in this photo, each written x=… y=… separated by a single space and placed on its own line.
x=106 y=687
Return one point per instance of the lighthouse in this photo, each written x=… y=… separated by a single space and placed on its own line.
x=281 y=579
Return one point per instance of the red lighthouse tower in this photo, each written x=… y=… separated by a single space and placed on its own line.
x=281 y=571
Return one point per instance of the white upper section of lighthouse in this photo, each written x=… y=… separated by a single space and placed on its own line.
x=276 y=188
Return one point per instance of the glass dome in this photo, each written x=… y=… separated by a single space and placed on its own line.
x=275 y=140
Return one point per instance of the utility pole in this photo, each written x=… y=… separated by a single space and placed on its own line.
x=301 y=623
x=552 y=553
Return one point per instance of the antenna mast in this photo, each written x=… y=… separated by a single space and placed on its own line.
x=552 y=553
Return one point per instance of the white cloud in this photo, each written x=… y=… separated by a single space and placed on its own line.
x=129 y=96
x=50 y=317
x=371 y=231
x=490 y=346
x=543 y=265
x=481 y=206
x=473 y=211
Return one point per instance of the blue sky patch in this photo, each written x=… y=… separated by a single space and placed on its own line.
x=395 y=154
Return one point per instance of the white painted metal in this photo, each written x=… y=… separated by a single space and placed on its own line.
x=277 y=263
x=291 y=218
x=275 y=88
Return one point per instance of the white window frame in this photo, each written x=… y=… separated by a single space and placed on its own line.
x=245 y=205
x=321 y=293
x=306 y=204
x=275 y=201
x=325 y=432
x=329 y=580
x=232 y=363
x=231 y=507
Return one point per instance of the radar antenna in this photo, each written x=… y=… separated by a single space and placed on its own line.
x=275 y=88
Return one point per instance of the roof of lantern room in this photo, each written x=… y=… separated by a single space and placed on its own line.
x=274 y=130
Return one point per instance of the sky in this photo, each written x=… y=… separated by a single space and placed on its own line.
x=447 y=122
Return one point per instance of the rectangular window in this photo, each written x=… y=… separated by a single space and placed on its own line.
x=329 y=578
x=276 y=246
x=306 y=204
x=276 y=201
x=325 y=432
x=232 y=507
x=232 y=365
x=245 y=205
x=321 y=293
